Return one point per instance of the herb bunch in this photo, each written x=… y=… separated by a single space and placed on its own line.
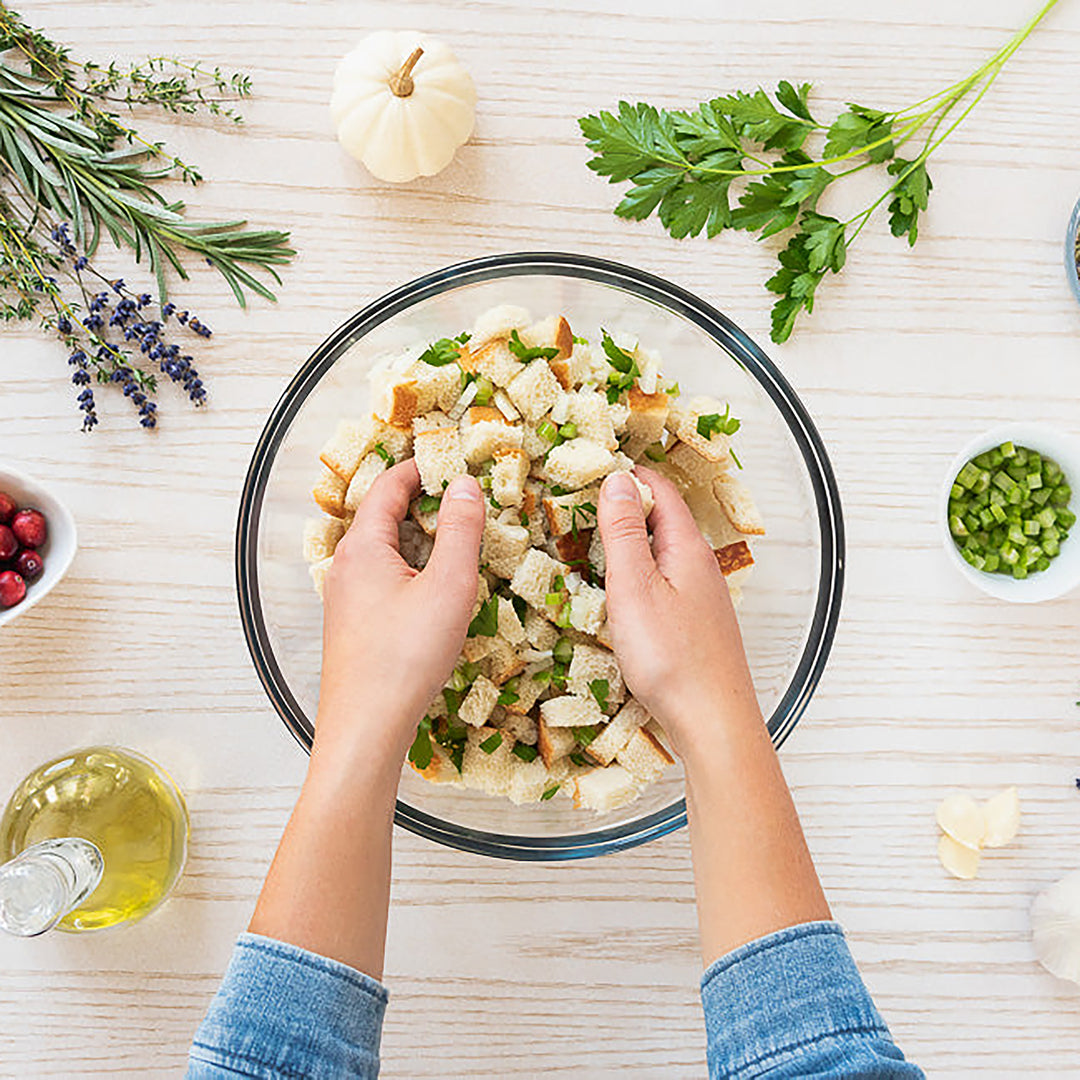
x=71 y=170
x=682 y=165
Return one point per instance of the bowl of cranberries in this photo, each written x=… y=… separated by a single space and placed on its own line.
x=37 y=542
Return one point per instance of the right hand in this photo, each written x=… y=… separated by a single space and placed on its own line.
x=672 y=622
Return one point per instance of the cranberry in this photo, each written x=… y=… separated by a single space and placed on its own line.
x=30 y=565
x=8 y=544
x=29 y=528
x=12 y=589
x=8 y=506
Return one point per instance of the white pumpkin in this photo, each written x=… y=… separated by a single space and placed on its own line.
x=402 y=104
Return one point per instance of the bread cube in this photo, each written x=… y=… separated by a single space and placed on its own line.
x=532 y=580
x=604 y=790
x=477 y=648
x=494 y=360
x=644 y=757
x=508 y=476
x=553 y=742
x=439 y=458
x=435 y=387
x=588 y=609
x=589 y=411
x=738 y=504
x=498 y=321
x=533 y=389
x=510 y=627
x=539 y=632
x=321 y=536
x=342 y=452
x=734 y=557
x=696 y=469
x=577 y=463
x=597 y=558
x=646 y=418
x=428 y=520
x=618 y=733
x=485 y=430
x=394 y=399
x=371 y=467
x=504 y=547
x=559 y=513
x=589 y=664
x=682 y=423
x=528 y=781
x=414 y=544
x=574 y=550
x=318 y=573
x=570 y=710
x=528 y=689
x=479 y=702
x=502 y=662
x=532 y=442
x=329 y=493
x=521 y=727
x=487 y=771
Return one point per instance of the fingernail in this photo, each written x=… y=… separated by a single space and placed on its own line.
x=620 y=487
x=463 y=487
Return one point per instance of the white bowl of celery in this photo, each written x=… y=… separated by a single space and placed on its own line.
x=1009 y=512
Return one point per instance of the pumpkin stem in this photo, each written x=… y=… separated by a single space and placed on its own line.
x=401 y=83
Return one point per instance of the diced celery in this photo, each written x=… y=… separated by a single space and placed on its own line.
x=1033 y=480
x=986 y=518
x=1021 y=456
x=1043 y=563
x=1066 y=518
x=1009 y=554
x=972 y=522
x=982 y=460
x=1015 y=496
x=997 y=513
x=1050 y=546
x=982 y=483
x=1015 y=470
x=1042 y=496
x=968 y=475
x=993 y=561
x=955 y=492
x=1004 y=481
x=1046 y=517
x=1007 y=449
x=1032 y=527
x=1019 y=572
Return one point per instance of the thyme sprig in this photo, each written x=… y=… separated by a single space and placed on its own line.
x=682 y=165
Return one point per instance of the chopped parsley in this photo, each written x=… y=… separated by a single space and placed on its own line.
x=585 y=735
x=486 y=621
x=584 y=509
x=524 y=353
x=453 y=699
x=429 y=504
x=656 y=452
x=716 y=424
x=509 y=695
x=579 y=340
x=526 y=753
x=549 y=792
x=735 y=458
x=599 y=688
x=385 y=454
x=421 y=752
x=492 y=743
x=444 y=351
x=521 y=608
x=673 y=389
x=626 y=369
x=579 y=759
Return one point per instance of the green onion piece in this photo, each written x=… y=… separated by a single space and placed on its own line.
x=458 y=681
x=579 y=759
x=656 y=452
x=526 y=753
x=509 y=695
x=542 y=676
x=563 y=651
x=453 y=699
x=492 y=743
x=547 y=430
x=568 y=431
x=553 y=599
x=600 y=688
x=429 y=504
x=484 y=391
x=470 y=669
x=585 y=735
x=549 y=793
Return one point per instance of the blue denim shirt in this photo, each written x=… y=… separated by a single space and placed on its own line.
x=788 y=1005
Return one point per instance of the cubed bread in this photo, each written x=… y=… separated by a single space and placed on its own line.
x=329 y=493
x=646 y=417
x=342 y=452
x=577 y=463
x=604 y=790
x=485 y=430
x=436 y=387
x=497 y=322
x=533 y=578
x=617 y=733
x=488 y=770
x=532 y=442
x=321 y=536
x=528 y=688
x=588 y=609
x=518 y=724
x=395 y=400
x=682 y=423
x=509 y=625
x=539 y=632
x=590 y=413
x=371 y=467
x=428 y=520
x=590 y=664
x=430 y=421
x=696 y=469
x=482 y=697
x=570 y=710
x=560 y=514
x=494 y=360
x=552 y=332
x=503 y=547
x=477 y=648
x=738 y=504
x=502 y=662
x=533 y=389
x=553 y=742
x=734 y=557
x=439 y=458
x=597 y=558
x=643 y=757
x=318 y=573
x=508 y=475
x=528 y=781
x=573 y=549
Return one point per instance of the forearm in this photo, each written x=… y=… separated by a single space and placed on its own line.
x=753 y=872
x=328 y=888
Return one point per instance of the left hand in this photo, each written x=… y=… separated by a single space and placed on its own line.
x=391 y=634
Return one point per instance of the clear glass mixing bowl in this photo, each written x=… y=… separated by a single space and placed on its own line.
x=791 y=603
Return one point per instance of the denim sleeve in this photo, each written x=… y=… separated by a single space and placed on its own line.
x=284 y=1012
x=793 y=1004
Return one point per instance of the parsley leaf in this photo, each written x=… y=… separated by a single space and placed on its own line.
x=584 y=509
x=858 y=128
x=421 y=752
x=444 y=351
x=524 y=353
x=599 y=688
x=549 y=792
x=453 y=699
x=509 y=695
x=710 y=424
x=429 y=504
x=492 y=743
x=486 y=621
x=585 y=735
x=526 y=753
x=618 y=358
x=385 y=454
x=756 y=117
x=911 y=195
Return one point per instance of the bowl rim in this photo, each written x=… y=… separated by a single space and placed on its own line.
x=646 y=286
x=65 y=527
x=1072 y=266
x=1045 y=438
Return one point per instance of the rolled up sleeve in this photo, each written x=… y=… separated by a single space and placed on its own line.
x=284 y=1012
x=793 y=1004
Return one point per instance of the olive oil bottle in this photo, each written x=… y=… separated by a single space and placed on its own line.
x=92 y=839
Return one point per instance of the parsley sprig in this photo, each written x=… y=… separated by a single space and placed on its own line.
x=682 y=165
x=444 y=351
x=525 y=353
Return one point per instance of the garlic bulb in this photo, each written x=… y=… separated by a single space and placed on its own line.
x=402 y=104
x=1055 y=927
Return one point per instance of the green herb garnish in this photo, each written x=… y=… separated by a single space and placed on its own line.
x=524 y=353
x=579 y=759
x=385 y=454
x=420 y=753
x=429 y=504
x=453 y=699
x=626 y=369
x=579 y=340
x=526 y=753
x=509 y=695
x=585 y=509
x=599 y=688
x=444 y=351
x=486 y=621
x=492 y=743
x=681 y=165
x=563 y=651
x=656 y=452
x=549 y=792
x=585 y=735
x=718 y=424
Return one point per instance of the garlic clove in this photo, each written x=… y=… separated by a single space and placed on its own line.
x=961 y=861
x=961 y=818
x=1002 y=815
x=1055 y=927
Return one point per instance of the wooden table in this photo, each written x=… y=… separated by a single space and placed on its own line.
x=587 y=970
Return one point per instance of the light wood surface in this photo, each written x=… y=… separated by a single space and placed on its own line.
x=586 y=970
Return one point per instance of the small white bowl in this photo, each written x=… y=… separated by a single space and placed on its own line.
x=60 y=544
x=1064 y=572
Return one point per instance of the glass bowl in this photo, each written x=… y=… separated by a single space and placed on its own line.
x=1072 y=251
x=791 y=602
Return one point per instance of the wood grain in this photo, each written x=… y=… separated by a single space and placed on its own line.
x=588 y=970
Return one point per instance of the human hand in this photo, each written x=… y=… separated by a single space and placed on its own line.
x=391 y=634
x=672 y=622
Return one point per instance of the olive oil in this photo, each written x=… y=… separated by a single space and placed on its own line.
x=124 y=805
